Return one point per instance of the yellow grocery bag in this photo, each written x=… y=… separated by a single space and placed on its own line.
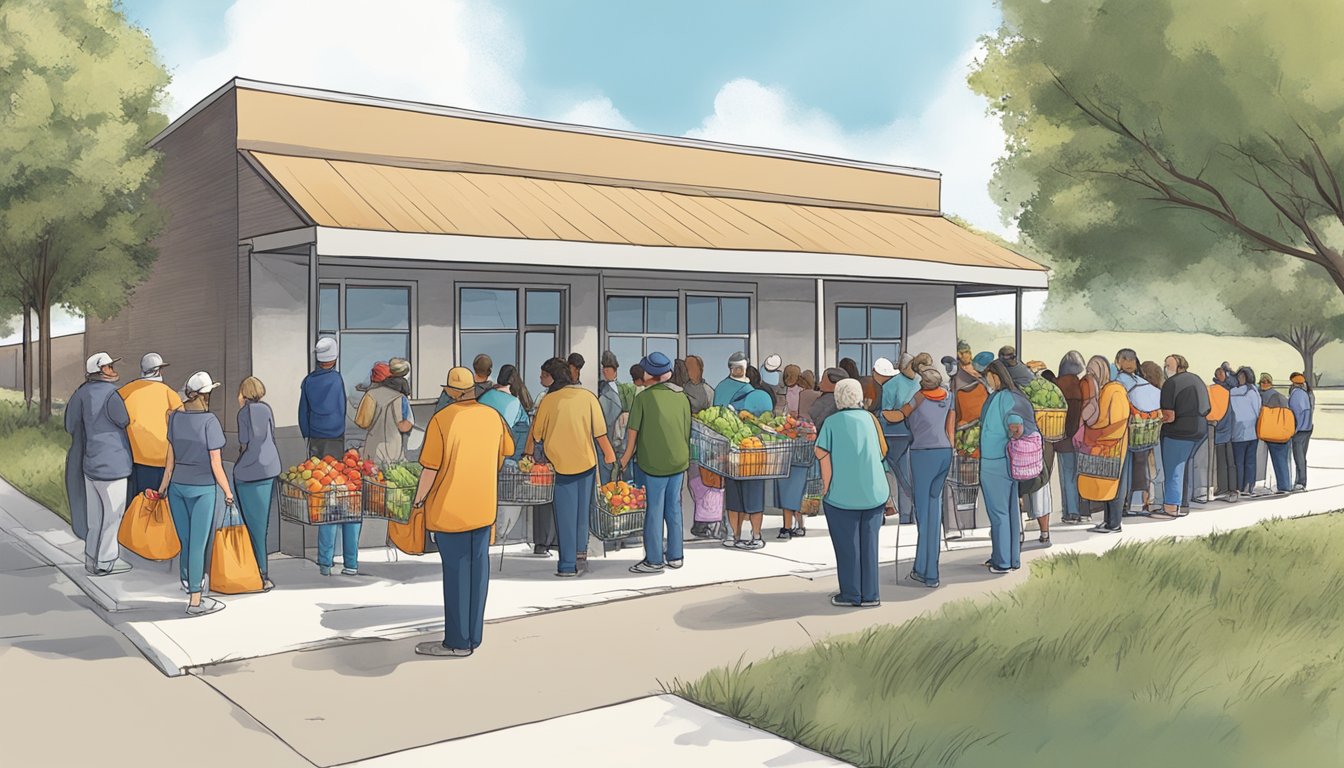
x=147 y=529
x=409 y=537
x=233 y=562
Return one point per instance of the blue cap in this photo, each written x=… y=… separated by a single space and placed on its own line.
x=981 y=361
x=656 y=364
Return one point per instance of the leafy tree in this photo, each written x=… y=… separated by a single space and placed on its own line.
x=81 y=91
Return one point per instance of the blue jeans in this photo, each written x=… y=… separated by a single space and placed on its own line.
x=1068 y=483
x=1176 y=454
x=1300 y=442
x=664 y=501
x=929 y=468
x=854 y=536
x=898 y=458
x=573 y=497
x=1115 y=508
x=143 y=478
x=466 y=580
x=193 y=510
x=326 y=544
x=1005 y=521
x=1278 y=455
x=1243 y=453
x=254 y=502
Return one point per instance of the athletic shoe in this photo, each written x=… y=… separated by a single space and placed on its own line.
x=120 y=566
x=267 y=585
x=441 y=650
x=799 y=533
x=838 y=603
x=870 y=603
x=915 y=577
x=674 y=564
x=756 y=543
x=566 y=574
x=644 y=566
x=541 y=551
x=1299 y=488
x=1045 y=540
x=996 y=569
x=349 y=571
x=732 y=542
x=931 y=584
x=1102 y=529
x=208 y=605
x=325 y=570
x=785 y=534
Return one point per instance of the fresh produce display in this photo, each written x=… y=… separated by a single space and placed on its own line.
x=326 y=479
x=406 y=475
x=622 y=497
x=392 y=494
x=967 y=441
x=1043 y=394
x=788 y=426
x=537 y=474
x=726 y=422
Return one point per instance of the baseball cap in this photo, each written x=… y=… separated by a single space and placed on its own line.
x=772 y=363
x=835 y=375
x=460 y=378
x=655 y=364
x=326 y=350
x=981 y=361
x=883 y=367
x=200 y=381
x=152 y=362
x=95 y=364
x=738 y=360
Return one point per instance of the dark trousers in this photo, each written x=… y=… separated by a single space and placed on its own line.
x=143 y=478
x=1244 y=455
x=1278 y=457
x=1192 y=483
x=1115 y=508
x=326 y=446
x=854 y=537
x=1300 y=441
x=1227 y=468
x=466 y=579
x=898 y=458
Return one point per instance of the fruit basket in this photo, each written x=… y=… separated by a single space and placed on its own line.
x=618 y=511
x=320 y=507
x=1051 y=423
x=390 y=495
x=1144 y=431
x=753 y=458
x=526 y=483
x=1105 y=464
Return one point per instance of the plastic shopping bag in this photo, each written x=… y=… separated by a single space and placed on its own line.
x=147 y=529
x=233 y=562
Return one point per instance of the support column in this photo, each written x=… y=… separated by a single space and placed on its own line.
x=312 y=303
x=1017 y=324
x=821 y=327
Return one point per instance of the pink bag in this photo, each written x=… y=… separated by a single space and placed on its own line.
x=708 y=501
x=1026 y=459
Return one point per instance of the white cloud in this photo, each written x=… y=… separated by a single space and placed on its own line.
x=598 y=112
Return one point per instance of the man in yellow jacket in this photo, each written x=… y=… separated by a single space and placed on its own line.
x=148 y=401
x=465 y=445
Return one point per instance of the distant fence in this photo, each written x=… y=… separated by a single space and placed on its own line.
x=67 y=373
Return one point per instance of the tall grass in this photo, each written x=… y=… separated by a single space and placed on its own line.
x=1226 y=650
x=32 y=455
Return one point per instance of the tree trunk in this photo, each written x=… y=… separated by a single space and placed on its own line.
x=27 y=347
x=44 y=357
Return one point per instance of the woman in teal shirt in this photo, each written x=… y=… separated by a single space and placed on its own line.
x=851 y=449
x=1000 y=421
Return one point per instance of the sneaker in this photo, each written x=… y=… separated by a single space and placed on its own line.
x=266 y=584
x=996 y=569
x=673 y=564
x=349 y=571
x=540 y=551
x=1045 y=540
x=120 y=566
x=436 y=648
x=785 y=534
x=325 y=570
x=697 y=530
x=756 y=543
x=1102 y=529
x=799 y=533
x=208 y=605
x=731 y=542
x=1299 y=488
x=566 y=574
x=186 y=589
x=915 y=577
x=931 y=584
x=644 y=566
x=838 y=603
x=870 y=603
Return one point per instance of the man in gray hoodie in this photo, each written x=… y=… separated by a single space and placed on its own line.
x=97 y=416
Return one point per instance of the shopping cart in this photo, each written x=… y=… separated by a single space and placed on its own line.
x=609 y=522
x=716 y=453
x=325 y=507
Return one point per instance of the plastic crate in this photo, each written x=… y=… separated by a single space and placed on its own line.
x=606 y=525
x=320 y=508
x=965 y=471
x=388 y=501
x=1104 y=467
x=713 y=452
x=1144 y=432
x=526 y=489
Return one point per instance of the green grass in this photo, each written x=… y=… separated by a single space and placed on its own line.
x=1224 y=650
x=32 y=455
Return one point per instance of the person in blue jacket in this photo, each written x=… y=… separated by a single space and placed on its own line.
x=1245 y=412
x=1007 y=415
x=1302 y=402
x=743 y=499
x=322 y=424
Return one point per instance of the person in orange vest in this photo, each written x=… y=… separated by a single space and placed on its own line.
x=1276 y=427
x=1220 y=431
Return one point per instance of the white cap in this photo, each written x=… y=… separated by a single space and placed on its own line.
x=95 y=364
x=326 y=350
x=200 y=381
x=152 y=362
x=883 y=367
x=772 y=363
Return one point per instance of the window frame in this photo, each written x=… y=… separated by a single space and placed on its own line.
x=869 y=340
x=342 y=284
x=683 y=335
x=560 y=329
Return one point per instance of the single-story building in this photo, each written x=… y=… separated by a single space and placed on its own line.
x=434 y=233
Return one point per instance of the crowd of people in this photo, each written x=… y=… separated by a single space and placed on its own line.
x=902 y=419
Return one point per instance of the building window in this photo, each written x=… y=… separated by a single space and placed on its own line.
x=370 y=323
x=640 y=325
x=868 y=332
x=716 y=327
x=509 y=325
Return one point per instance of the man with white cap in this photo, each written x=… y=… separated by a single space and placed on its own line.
x=98 y=418
x=148 y=401
x=770 y=375
x=322 y=403
x=898 y=388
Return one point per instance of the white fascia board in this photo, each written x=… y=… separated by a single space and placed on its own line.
x=467 y=249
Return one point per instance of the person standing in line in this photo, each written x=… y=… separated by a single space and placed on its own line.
x=192 y=478
x=1127 y=368
x=659 y=433
x=569 y=424
x=1007 y=416
x=772 y=377
x=1019 y=372
x=824 y=405
x=147 y=400
x=1303 y=404
x=544 y=535
x=98 y=417
x=743 y=498
x=257 y=468
x=1272 y=402
x=850 y=368
x=1071 y=367
x=385 y=413
x=932 y=421
x=1106 y=432
x=1220 y=433
x=322 y=423
x=850 y=449
x=897 y=388
x=1145 y=397
x=465 y=446
x=698 y=390
x=575 y=363
x=789 y=490
x=1245 y=409
x=807 y=380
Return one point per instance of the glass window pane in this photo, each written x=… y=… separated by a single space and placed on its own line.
x=628 y=350
x=501 y=346
x=662 y=315
x=488 y=308
x=736 y=316
x=854 y=352
x=543 y=307
x=889 y=350
x=886 y=323
x=625 y=314
x=359 y=351
x=702 y=314
x=328 y=308
x=378 y=308
x=715 y=353
x=538 y=347
x=852 y=323
x=662 y=344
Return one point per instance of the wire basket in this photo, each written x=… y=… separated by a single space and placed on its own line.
x=965 y=471
x=1104 y=467
x=388 y=500
x=328 y=507
x=804 y=452
x=1050 y=421
x=713 y=452
x=812 y=491
x=965 y=497
x=607 y=525
x=1144 y=432
x=526 y=489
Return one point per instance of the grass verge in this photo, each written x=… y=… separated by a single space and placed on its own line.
x=32 y=455
x=1223 y=650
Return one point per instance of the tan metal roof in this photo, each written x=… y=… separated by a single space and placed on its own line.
x=357 y=195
